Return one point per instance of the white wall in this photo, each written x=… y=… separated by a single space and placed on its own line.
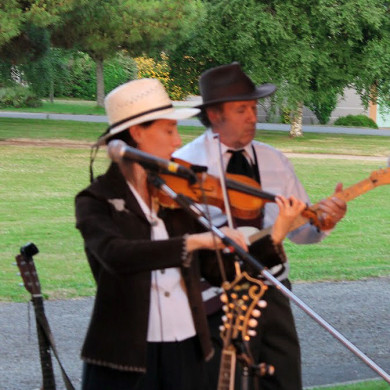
x=349 y=104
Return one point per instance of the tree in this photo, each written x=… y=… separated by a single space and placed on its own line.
x=103 y=27
x=23 y=24
x=310 y=49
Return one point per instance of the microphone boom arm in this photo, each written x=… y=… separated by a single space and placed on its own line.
x=194 y=210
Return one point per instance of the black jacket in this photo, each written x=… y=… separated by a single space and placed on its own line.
x=121 y=256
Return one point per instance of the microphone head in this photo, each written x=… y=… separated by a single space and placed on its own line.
x=115 y=150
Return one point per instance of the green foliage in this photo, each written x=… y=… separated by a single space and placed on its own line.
x=18 y=96
x=49 y=75
x=5 y=73
x=356 y=121
x=285 y=115
x=138 y=26
x=65 y=73
x=306 y=48
x=322 y=105
x=23 y=25
x=82 y=69
x=82 y=81
x=30 y=45
x=118 y=70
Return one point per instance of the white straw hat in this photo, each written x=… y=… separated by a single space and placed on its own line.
x=140 y=101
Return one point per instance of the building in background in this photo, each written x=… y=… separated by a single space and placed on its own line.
x=349 y=104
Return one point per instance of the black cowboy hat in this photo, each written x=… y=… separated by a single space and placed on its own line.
x=227 y=83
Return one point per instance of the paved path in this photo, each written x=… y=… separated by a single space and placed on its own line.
x=195 y=122
x=359 y=310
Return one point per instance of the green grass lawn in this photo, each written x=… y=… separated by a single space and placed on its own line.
x=362 y=145
x=75 y=107
x=367 y=385
x=38 y=185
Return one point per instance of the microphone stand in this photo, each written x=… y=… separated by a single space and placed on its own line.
x=189 y=206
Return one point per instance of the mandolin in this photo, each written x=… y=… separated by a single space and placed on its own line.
x=242 y=303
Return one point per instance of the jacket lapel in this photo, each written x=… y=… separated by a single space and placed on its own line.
x=120 y=190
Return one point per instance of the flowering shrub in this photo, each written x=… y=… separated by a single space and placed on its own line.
x=159 y=69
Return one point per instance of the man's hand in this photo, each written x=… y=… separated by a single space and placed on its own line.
x=332 y=209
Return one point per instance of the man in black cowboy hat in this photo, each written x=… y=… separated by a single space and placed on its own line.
x=229 y=109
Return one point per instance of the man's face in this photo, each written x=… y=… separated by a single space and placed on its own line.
x=235 y=123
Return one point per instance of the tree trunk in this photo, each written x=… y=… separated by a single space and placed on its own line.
x=296 y=122
x=51 y=91
x=99 y=82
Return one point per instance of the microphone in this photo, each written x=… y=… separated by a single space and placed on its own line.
x=119 y=150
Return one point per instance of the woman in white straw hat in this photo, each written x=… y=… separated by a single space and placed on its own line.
x=148 y=328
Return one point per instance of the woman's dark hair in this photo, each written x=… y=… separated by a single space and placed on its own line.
x=126 y=137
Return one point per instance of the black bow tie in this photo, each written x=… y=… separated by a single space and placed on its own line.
x=238 y=164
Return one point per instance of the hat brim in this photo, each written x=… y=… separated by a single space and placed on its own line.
x=170 y=113
x=261 y=91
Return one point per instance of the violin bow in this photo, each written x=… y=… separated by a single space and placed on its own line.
x=225 y=194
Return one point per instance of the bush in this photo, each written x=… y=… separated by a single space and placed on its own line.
x=82 y=74
x=323 y=106
x=160 y=69
x=17 y=97
x=356 y=121
x=49 y=75
x=72 y=74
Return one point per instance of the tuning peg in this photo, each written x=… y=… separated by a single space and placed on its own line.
x=223 y=298
x=224 y=308
x=256 y=313
x=252 y=333
x=262 y=304
x=224 y=318
x=252 y=323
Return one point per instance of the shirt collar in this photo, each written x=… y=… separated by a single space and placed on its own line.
x=248 y=148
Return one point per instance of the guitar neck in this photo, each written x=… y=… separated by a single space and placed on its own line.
x=227 y=369
x=350 y=193
x=44 y=347
x=355 y=190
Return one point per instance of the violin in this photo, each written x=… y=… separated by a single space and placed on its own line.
x=245 y=195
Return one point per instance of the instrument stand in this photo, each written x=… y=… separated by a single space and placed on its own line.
x=250 y=370
x=188 y=205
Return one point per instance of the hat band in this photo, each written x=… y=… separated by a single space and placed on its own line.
x=137 y=116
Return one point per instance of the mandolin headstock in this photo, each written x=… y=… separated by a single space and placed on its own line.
x=242 y=304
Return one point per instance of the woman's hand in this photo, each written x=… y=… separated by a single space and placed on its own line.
x=208 y=240
x=289 y=209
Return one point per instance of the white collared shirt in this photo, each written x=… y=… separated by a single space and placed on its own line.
x=170 y=317
x=248 y=153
